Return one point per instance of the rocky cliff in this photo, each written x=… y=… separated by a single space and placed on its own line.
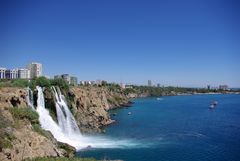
x=19 y=137
x=90 y=106
x=12 y=97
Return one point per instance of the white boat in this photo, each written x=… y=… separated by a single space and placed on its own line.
x=213 y=105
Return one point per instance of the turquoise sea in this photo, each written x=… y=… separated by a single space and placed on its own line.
x=176 y=128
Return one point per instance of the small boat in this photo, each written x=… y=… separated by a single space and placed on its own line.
x=213 y=105
x=129 y=113
x=159 y=99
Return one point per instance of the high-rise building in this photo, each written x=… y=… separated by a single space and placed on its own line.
x=2 y=73
x=66 y=77
x=69 y=79
x=208 y=87
x=24 y=73
x=158 y=85
x=149 y=83
x=35 y=69
x=224 y=87
x=122 y=85
x=73 y=81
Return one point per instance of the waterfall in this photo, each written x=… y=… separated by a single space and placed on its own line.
x=65 y=118
x=58 y=130
x=30 y=98
x=66 y=130
x=45 y=119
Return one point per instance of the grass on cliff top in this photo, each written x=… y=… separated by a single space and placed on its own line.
x=40 y=81
x=60 y=159
x=13 y=83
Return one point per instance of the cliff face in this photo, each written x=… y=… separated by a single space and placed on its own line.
x=12 y=97
x=90 y=106
x=19 y=139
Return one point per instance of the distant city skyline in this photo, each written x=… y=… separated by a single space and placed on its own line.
x=178 y=43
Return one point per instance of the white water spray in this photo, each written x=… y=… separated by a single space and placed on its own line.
x=66 y=130
x=65 y=118
x=30 y=98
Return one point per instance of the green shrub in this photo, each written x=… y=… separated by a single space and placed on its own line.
x=42 y=82
x=4 y=83
x=32 y=84
x=25 y=113
x=61 y=83
x=20 y=83
x=14 y=83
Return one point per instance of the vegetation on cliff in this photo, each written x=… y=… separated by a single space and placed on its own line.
x=21 y=136
x=25 y=113
x=6 y=137
x=40 y=81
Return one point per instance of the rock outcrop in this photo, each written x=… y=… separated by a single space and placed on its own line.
x=12 y=97
x=19 y=140
x=90 y=106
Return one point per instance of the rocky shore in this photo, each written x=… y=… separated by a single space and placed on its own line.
x=21 y=138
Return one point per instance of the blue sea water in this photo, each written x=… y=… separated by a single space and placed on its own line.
x=176 y=128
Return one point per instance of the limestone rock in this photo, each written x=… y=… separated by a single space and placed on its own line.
x=91 y=104
x=12 y=97
x=25 y=141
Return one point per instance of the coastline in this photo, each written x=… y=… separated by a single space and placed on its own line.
x=182 y=94
x=90 y=106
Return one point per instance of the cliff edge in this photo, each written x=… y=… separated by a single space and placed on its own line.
x=90 y=106
x=21 y=136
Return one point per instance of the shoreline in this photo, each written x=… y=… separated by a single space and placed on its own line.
x=186 y=94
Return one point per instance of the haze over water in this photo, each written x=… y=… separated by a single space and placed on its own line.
x=178 y=128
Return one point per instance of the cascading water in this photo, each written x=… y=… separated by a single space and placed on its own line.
x=30 y=98
x=67 y=131
x=46 y=120
x=65 y=118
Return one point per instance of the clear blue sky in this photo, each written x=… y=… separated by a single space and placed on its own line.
x=172 y=42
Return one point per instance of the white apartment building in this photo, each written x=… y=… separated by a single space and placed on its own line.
x=2 y=73
x=24 y=73
x=11 y=74
x=35 y=69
